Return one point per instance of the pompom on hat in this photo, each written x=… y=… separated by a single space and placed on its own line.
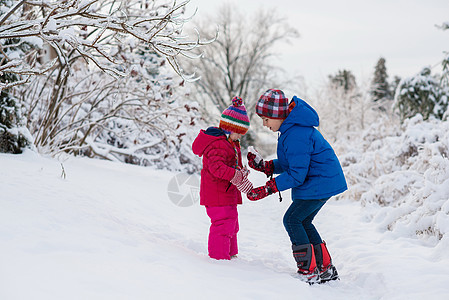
x=234 y=118
x=272 y=104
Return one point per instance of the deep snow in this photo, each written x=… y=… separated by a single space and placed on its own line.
x=109 y=231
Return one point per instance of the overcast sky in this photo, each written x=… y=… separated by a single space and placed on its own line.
x=354 y=34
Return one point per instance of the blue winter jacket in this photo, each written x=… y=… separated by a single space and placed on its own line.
x=306 y=162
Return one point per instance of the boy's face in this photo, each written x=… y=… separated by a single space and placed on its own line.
x=235 y=136
x=272 y=124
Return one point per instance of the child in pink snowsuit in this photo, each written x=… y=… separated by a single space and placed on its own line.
x=223 y=178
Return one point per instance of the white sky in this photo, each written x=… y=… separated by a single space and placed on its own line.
x=354 y=34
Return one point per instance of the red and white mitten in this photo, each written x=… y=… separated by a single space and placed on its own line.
x=241 y=182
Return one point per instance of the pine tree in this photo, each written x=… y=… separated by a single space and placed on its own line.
x=344 y=79
x=379 y=85
x=13 y=137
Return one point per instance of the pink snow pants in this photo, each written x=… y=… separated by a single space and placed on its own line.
x=223 y=231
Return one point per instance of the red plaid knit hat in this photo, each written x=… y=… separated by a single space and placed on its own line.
x=234 y=118
x=272 y=104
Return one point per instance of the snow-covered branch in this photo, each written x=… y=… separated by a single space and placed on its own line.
x=95 y=30
x=106 y=88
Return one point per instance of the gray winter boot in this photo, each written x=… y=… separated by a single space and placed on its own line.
x=305 y=259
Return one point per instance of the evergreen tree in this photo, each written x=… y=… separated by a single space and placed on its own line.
x=344 y=79
x=13 y=137
x=421 y=94
x=379 y=85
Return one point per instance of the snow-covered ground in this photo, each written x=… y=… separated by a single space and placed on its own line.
x=110 y=231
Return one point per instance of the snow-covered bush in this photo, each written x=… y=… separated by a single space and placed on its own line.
x=445 y=82
x=105 y=88
x=145 y=118
x=421 y=94
x=405 y=171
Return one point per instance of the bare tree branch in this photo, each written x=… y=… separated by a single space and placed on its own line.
x=240 y=62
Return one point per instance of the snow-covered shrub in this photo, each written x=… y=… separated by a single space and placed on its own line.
x=445 y=83
x=421 y=94
x=404 y=173
x=107 y=86
x=146 y=118
x=361 y=155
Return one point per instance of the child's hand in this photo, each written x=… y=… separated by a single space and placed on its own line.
x=263 y=191
x=245 y=171
x=241 y=182
x=256 y=162
x=255 y=154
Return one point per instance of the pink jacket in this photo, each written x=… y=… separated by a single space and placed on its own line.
x=219 y=162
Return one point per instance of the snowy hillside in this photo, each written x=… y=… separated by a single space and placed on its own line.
x=110 y=231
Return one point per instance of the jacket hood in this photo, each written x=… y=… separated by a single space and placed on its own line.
x=302 y=114
x=205 y=138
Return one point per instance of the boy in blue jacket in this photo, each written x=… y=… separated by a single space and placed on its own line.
x=308 y=166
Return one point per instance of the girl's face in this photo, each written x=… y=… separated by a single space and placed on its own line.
x=235 y=136
x=272 y=124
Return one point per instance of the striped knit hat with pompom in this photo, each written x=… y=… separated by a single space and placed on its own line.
x=234 y=118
